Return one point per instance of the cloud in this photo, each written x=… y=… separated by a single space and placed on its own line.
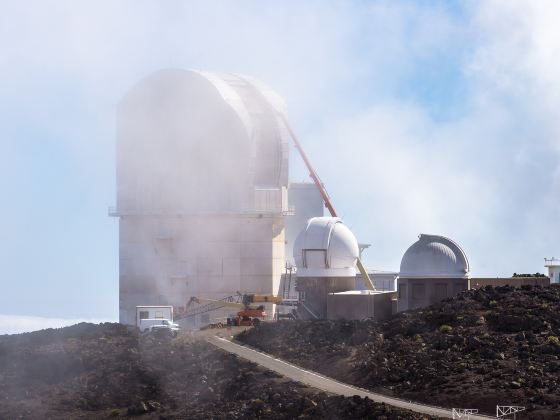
x=437 y=117
x=16 y=324
x=487 y=176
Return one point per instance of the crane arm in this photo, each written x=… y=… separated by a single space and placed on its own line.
x=219 y=303
x=253 y=298
x=323 y=191
x=312 y=173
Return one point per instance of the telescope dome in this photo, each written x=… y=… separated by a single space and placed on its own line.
x=434 y=256
x=192 y=142
x=326 y=248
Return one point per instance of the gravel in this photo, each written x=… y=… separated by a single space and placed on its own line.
x=486 y=347
x=110 y=371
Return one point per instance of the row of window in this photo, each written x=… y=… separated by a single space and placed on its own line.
x=146 y=315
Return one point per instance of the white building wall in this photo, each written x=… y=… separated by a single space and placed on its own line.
x=553 y=266
x=157 y=270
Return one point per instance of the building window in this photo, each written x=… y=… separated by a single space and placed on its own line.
x=144 y=314
x=418 y=291
x=301 y=295
x=159 y=314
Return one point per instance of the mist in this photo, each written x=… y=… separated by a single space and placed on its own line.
x=419 y=118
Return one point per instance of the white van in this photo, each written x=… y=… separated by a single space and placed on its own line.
x=150 y=324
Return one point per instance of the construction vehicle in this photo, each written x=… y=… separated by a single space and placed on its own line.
x=247 y=317
x=249 y=313
x=253 y=316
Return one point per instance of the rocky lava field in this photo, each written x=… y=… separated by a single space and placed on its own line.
x=485 y=347
x=110 y=371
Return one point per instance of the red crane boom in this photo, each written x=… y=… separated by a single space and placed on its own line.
x=323 y=191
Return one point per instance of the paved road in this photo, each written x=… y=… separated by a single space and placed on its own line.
x=324 y=383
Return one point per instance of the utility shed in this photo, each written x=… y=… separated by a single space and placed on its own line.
x=361 y=304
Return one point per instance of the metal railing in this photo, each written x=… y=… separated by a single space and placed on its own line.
x=551 y=261
x=114 y=211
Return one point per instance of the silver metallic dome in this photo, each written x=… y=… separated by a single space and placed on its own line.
x=435 y=256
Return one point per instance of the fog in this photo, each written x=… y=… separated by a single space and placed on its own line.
x=201 y=172
x=419 y=118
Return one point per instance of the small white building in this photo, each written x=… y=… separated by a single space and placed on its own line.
x=153 y=312
x=553 y=265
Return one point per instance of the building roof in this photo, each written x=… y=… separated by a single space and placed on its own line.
x=196 y=142
x=434 y=256
x=248 y=97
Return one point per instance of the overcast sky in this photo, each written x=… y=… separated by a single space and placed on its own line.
x=420 y=117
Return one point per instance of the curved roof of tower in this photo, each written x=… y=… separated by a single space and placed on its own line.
x=250 y=98
x=434 y=256
x=192 y=141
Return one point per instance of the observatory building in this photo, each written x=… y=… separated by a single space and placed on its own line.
x=206 y=210
x=202 y=189
x=325 y=254
x=432 y=269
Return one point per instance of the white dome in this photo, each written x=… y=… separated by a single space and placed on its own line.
x=326 y=248
x=434 y=256
x=191 y=142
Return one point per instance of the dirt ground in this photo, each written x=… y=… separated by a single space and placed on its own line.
x=483 y=348
x=109 y=371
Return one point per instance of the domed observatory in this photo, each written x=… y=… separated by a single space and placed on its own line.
x=432 y=269
x=325 y=253
x=202 y=173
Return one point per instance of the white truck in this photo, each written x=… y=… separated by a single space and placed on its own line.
x=159 y=326
x=150 y=318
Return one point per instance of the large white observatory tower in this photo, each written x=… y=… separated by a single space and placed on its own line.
x=202 y=177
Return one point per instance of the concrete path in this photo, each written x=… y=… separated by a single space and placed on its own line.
x=324 y=383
